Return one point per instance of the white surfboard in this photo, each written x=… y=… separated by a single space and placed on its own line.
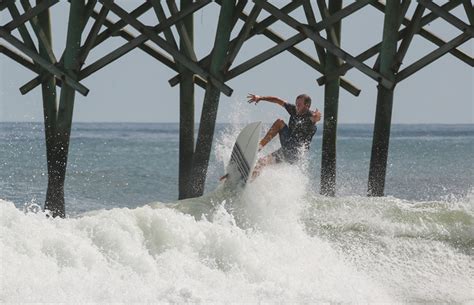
x=243 y=157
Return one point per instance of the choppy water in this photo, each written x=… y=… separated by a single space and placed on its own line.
x=128 y=240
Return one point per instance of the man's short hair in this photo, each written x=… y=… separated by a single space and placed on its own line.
x=306 y=99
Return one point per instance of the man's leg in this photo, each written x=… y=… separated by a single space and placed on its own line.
x=273 y=158
x=269 y=159
x=278 y=125
x=260 y=164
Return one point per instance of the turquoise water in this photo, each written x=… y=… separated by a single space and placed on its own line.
x=127 y=239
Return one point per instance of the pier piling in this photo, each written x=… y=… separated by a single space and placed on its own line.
x=186 y=113
x=383 y=114
x=211 y=99
x=331 y=105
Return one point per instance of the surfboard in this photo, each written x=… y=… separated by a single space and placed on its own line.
x=243 y=157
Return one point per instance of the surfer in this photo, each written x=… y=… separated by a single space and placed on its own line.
x=295 y=137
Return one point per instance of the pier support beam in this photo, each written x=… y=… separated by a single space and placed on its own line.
x=186 y=114
x=210 y=105
x=58 y=148
x=54 y=195
x=331 y=105
x=383 y=114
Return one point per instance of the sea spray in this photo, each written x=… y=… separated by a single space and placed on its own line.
x=421 y=251
x=159 y=254
x=278 y=242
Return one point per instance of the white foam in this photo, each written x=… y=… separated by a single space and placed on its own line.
x=421 y=252
x=277 y=243
x=147 y=254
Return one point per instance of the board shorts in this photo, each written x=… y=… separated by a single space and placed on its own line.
x=288 y=151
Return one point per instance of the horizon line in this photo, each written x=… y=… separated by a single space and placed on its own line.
x=147 y=122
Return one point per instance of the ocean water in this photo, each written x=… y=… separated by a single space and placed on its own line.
x=127 y=238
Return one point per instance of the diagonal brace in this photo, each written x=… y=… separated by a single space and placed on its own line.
x=431 y=57
x=254 y=31
x=251 y=63
x=308 y=10
x=117 y=26
x=401 y=34
x=403 y=11
x=183 y=33
x=25 y=62
x=455 y=21
x=139 y=42
x=43 y=62
x=5 y=3
x=144 y=47
x=111 y=30
x=19 y=20
x=185 y=61
x=43 y=41
x=92 y=36
x=326 y=44
x=262 y=28
x=412 y=29
x=236 y=44
x=469 y=11
x=345 y=84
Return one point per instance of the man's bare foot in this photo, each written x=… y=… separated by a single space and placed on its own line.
x=255 y=174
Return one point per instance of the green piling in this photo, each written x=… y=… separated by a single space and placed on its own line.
x=331 y=105
x=186 y=114
x=383 y=113
x=59 y=150
x=48 y=90
x=211 y=99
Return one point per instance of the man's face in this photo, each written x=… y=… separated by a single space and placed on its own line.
x=300 y=106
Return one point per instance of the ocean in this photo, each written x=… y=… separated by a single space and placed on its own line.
x=127 y=239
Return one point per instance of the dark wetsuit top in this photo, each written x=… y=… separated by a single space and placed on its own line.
x=297 y=136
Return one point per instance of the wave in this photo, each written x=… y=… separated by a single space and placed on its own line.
x=276 y=243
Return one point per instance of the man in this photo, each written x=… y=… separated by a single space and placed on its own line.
x=295 y=137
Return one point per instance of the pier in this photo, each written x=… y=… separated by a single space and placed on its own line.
x=171 y=42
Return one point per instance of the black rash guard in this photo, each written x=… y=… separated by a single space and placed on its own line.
x=302 y=128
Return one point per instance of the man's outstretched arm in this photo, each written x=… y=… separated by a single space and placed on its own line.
x=272 y=99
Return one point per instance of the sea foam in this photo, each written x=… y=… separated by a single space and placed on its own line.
x=249 y=249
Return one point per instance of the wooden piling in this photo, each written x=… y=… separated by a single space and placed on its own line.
x=331 y=104
x=186 y=114
x=48 y=90
x=58 y=150
x=211 y=100
x=383 y=114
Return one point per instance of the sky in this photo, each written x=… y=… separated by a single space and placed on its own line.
x=135 y=88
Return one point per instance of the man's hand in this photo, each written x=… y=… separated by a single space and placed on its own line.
x=316 y=117
x=253 y=98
